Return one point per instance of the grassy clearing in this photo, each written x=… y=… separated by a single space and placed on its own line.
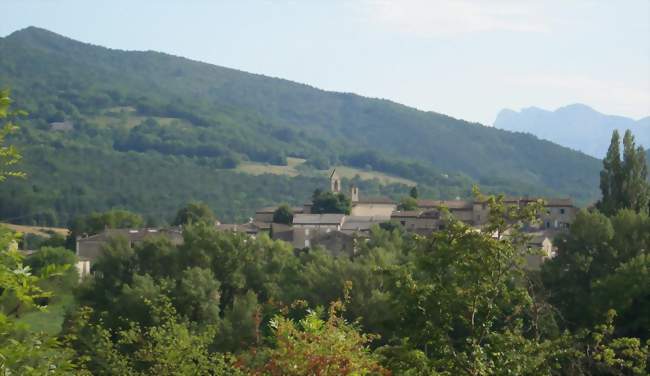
x=51 y=319
x=36 y=230
x=291 y=169
x=118 y=116
x=253 y=168
x=350 y=172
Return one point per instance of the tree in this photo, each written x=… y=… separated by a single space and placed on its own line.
x=170 y=347
x=23 y=352
x=194 y=212
x=283 y=214
x=314 y=346
x=624 y=183
x=97 y=222
x=330 y=202
x=47 y=257
x=414 y=192
x=463 y=299
x=635 y=188
x=408 y=203
x=9 y=155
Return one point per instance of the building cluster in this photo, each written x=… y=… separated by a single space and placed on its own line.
x=340 y=233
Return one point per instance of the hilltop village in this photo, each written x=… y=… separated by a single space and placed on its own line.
x=339 y=232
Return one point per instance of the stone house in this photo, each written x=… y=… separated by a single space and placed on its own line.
x=462 y=210
x=307 y=226
x=542 y=241
x=418 y=220
x=336 y=242
x=361 y=225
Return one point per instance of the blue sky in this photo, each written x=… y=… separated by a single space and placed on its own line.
x=464 y=58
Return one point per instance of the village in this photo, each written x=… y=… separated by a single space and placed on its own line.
x=340 y=233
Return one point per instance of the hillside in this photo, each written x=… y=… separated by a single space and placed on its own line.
x=576 y=126
x=151 y=131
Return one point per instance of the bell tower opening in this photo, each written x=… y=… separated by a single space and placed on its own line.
x=335 y=182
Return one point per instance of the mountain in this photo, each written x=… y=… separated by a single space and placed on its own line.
x=149 y=131
x=577 y=126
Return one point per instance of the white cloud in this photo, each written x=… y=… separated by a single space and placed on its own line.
x=442 y=18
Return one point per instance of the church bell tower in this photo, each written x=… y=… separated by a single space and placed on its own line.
x=335 y=182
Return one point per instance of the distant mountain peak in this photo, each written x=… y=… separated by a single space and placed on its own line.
x=576 y=107
x=33 y=30
x=577 y=126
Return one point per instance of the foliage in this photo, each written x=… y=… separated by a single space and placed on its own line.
x=414 y=192
x=9 y=155
x=283 y=214
x=194 y=212
x=97 y=222
x=624 y=183
x=25 y=353
x=170 y=347
x=22 y=351
x=408 y=203
x=48 y=257
x=585 y=275
x=330 y=202
x=458 y=301
x=463 y=300
x=314 y=346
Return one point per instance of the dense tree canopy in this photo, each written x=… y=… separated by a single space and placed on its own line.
x=624 y=183
x=330 y=202
x=283 y=214
x=194 y=212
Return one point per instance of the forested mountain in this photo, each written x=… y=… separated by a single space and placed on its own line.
x=147 y=130
x=576 y=126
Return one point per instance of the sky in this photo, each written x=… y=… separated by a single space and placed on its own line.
x=465 y=58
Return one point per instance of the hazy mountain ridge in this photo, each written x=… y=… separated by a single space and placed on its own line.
x=218 y=116
x=576 y=126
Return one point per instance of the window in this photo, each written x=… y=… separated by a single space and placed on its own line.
x=562 y=211
x=402 y=222
x=307 y=243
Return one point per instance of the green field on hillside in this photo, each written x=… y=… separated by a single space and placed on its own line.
x=126 y=116
x=292 y=169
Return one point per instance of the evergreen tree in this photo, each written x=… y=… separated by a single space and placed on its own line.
x=414 y=192
x=635 y=190
x=610 y=176
x=624 y=184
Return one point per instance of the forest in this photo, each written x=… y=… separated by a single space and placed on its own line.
x=455 y=302
x=105 y=128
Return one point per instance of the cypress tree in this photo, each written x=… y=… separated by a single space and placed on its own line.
x=624 y=184
x=635 y=190
x=610 y=177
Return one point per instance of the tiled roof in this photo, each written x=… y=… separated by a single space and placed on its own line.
x=362 y=223
x=450 y=204
x=244 y=227
x=318 y=219
x=272 y=209
x=375 y=200
x=131 y=234
x=406 y=214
